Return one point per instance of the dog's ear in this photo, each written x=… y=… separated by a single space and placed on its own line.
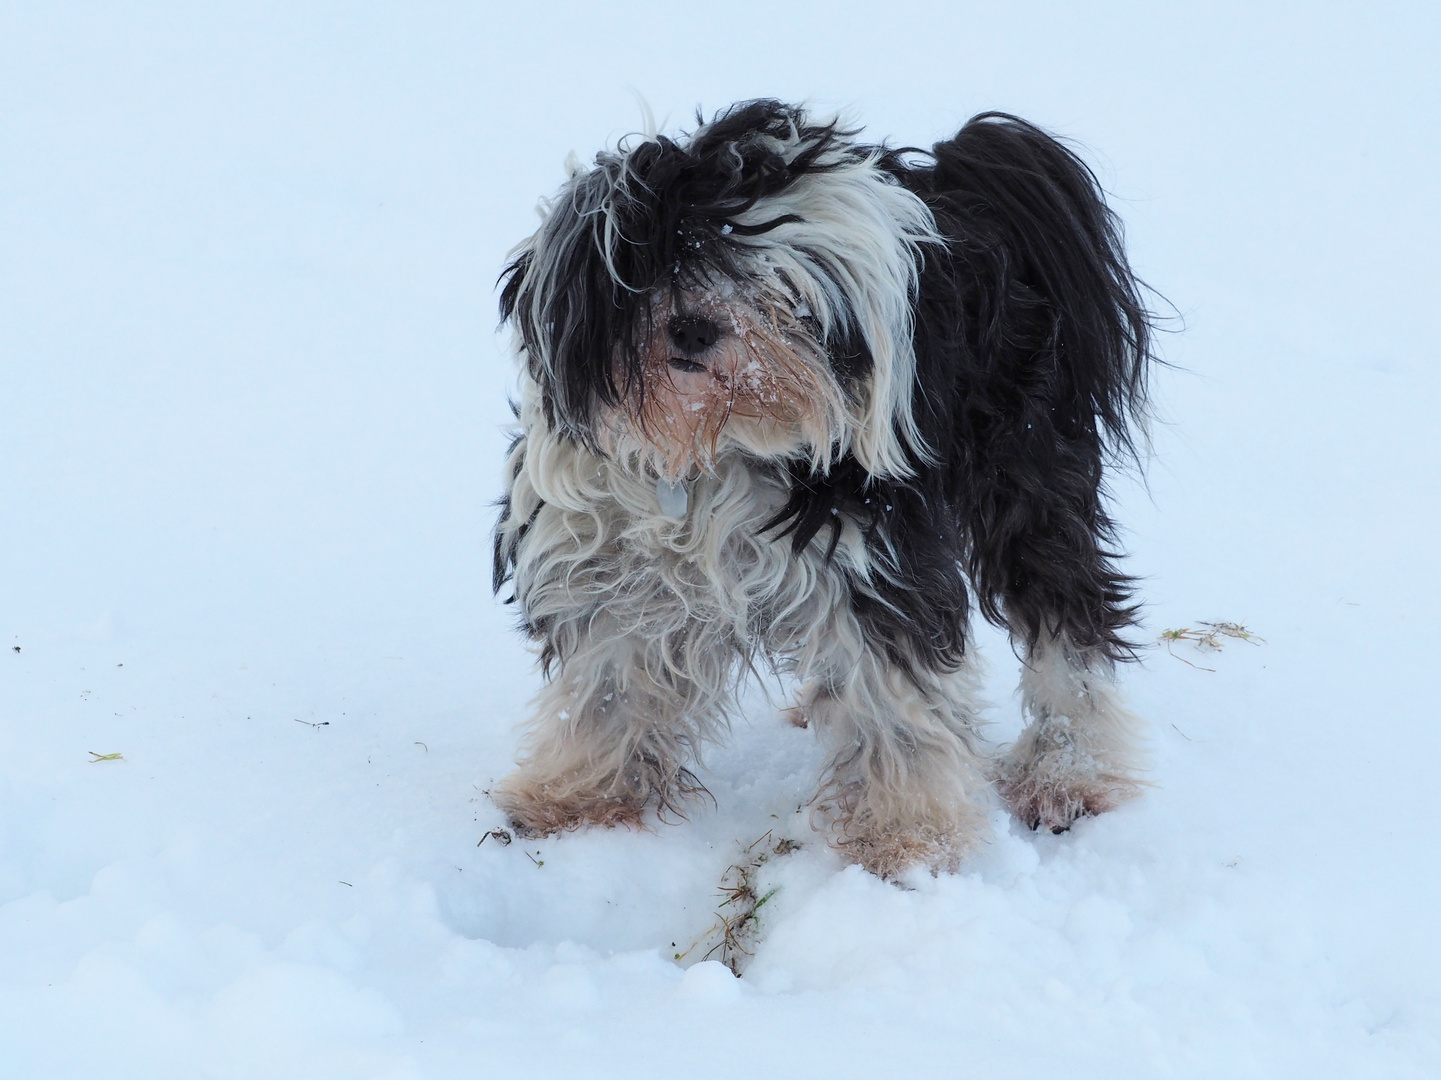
x=574 y=310
x=1053 y=294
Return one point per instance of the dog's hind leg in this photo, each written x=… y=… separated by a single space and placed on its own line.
x=1081 y=750
x=1041 y=563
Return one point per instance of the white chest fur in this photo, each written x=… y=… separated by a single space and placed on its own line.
x=599 y=543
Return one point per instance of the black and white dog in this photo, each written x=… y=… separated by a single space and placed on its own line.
x=784 y=395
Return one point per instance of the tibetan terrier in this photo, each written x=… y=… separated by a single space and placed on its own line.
x=795 y=399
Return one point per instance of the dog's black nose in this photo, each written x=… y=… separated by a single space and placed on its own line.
x=693 y=335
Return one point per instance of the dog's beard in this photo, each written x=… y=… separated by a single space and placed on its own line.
x=764 y=387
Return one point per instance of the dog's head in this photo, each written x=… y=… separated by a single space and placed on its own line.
x=746 y=287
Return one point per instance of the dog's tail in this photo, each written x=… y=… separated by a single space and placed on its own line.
x=1051 y=296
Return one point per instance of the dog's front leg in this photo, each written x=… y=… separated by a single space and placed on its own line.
x=905 y=783
x=610 y=737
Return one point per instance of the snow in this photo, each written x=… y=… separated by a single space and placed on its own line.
x=252 y=419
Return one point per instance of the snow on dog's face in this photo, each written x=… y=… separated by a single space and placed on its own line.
x=748 y=287
x=719 y=370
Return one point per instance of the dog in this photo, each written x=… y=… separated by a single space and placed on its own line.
x=789 y=398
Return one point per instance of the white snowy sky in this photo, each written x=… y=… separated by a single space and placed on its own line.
x=251 y=419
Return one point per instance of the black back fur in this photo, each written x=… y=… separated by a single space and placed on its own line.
x=1032 y=344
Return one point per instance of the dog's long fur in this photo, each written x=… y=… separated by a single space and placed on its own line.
x=785 y=395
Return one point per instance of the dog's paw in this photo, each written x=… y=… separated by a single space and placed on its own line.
x=888 y=854
x=537 y=808
x=539 y=804
x=1055 y=807
x=1052 y=792
x=889 y=832
x=1062 y=769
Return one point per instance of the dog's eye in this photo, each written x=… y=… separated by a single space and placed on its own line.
x=693 y=335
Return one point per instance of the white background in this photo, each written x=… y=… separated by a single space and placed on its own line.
x=252 y=411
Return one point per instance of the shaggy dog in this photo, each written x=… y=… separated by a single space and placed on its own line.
x=792 y=398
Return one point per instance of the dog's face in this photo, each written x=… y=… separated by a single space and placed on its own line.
x=746 y=288
x=722 y=367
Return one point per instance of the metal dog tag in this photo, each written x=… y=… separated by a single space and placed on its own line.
x=673 y=498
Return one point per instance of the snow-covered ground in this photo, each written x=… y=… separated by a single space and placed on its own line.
x=251 y=421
